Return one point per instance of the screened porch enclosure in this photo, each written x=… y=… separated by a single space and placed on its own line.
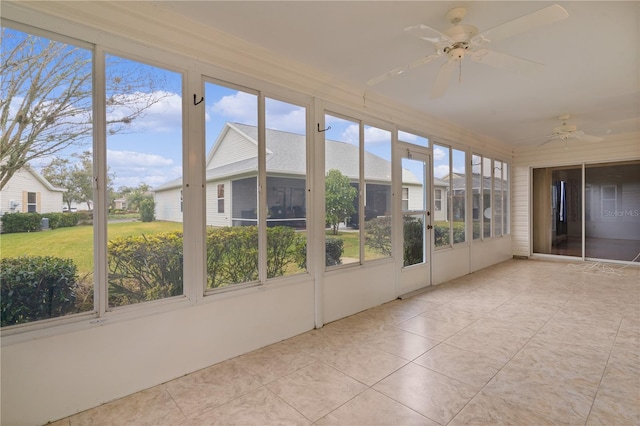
x=286 y=203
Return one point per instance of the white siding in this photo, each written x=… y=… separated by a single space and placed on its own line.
x=213 y=217
x=575 y=152
x=24 y=181
x=168 y=205
x=233 y=147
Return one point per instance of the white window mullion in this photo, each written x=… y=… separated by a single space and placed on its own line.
x=100 y=205
x=262 y=193
x=361 y=193
x=193 y=187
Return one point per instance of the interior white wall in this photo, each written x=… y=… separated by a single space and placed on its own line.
x=349 y=290
x=49 y=375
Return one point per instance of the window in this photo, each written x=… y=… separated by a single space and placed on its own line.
x=458 y=189
x=437 y=199
x=144 y=157
x=497 y=198
x=342 y=195
x=405 y=199
x=449 y=195
x=476 y=187
x=487 y=169
x=181 y=201
x=490 y=197
x=32 y=202
x=231 y=143
x=221 y=198
x=377 y=194
x=286 y=169
x=441 y=195
x=608 y=201
x=46 y=106
x=412 y=139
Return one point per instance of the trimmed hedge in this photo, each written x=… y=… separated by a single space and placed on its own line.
x=36 y=288
x=62 y=220
x=32 y=222
x=21 y=222
x=334 y=247
x=144 y=267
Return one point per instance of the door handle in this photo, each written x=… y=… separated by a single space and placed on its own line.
x=429 y=227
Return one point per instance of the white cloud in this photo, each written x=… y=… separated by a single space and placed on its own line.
x=375 y=135
x=441 y=171
x=240 y=107
x=439 y=154
x=165 y=115
x=286 y=117
x=133 y=168
x=351 y=134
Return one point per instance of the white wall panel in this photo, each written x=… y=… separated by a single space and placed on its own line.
x=349 y=290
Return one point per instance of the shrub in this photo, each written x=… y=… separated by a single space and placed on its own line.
x=21 y=222
x=413 y=233
x=334 y=247
x=378 y=234
x=441 y=235
x=281 y=249
x=147 y=209
x=144 y=267
x=36 y=288
x=62 y=220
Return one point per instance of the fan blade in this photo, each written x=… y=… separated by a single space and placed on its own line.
x=551 y=138
x=579 y=134
x=542 y=17
x=504 y=61
x=397 y=71
x=429 y=34
x=444 y=77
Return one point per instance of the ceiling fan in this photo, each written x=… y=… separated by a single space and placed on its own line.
x=462 y=40
x=569 y=131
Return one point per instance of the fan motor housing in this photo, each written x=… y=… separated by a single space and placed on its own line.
x=565 y=128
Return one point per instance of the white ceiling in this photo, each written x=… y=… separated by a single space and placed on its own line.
x=591 y=58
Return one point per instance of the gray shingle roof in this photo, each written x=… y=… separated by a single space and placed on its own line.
x=286 y=154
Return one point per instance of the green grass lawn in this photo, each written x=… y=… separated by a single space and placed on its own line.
x=75 y=243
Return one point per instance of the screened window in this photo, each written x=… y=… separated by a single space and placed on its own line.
x=46 y=109
x=476 y=199
x=231 y=143
x=377 y=194
x=458 y=189
x=487 y=174
x=286 y=167
x=342 y=191
x=449 y=195
x=144 y=157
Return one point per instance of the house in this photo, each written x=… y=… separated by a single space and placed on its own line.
x=231 y=173
x=28 y=191
x=523 y=340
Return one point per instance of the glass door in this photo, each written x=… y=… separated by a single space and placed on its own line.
x=416 y=219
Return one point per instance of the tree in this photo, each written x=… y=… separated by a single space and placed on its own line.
x=339 y=196
x=135 y=196
x=76 y=178
x=47 y=96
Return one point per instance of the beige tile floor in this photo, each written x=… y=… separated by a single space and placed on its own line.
x=525 y=342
